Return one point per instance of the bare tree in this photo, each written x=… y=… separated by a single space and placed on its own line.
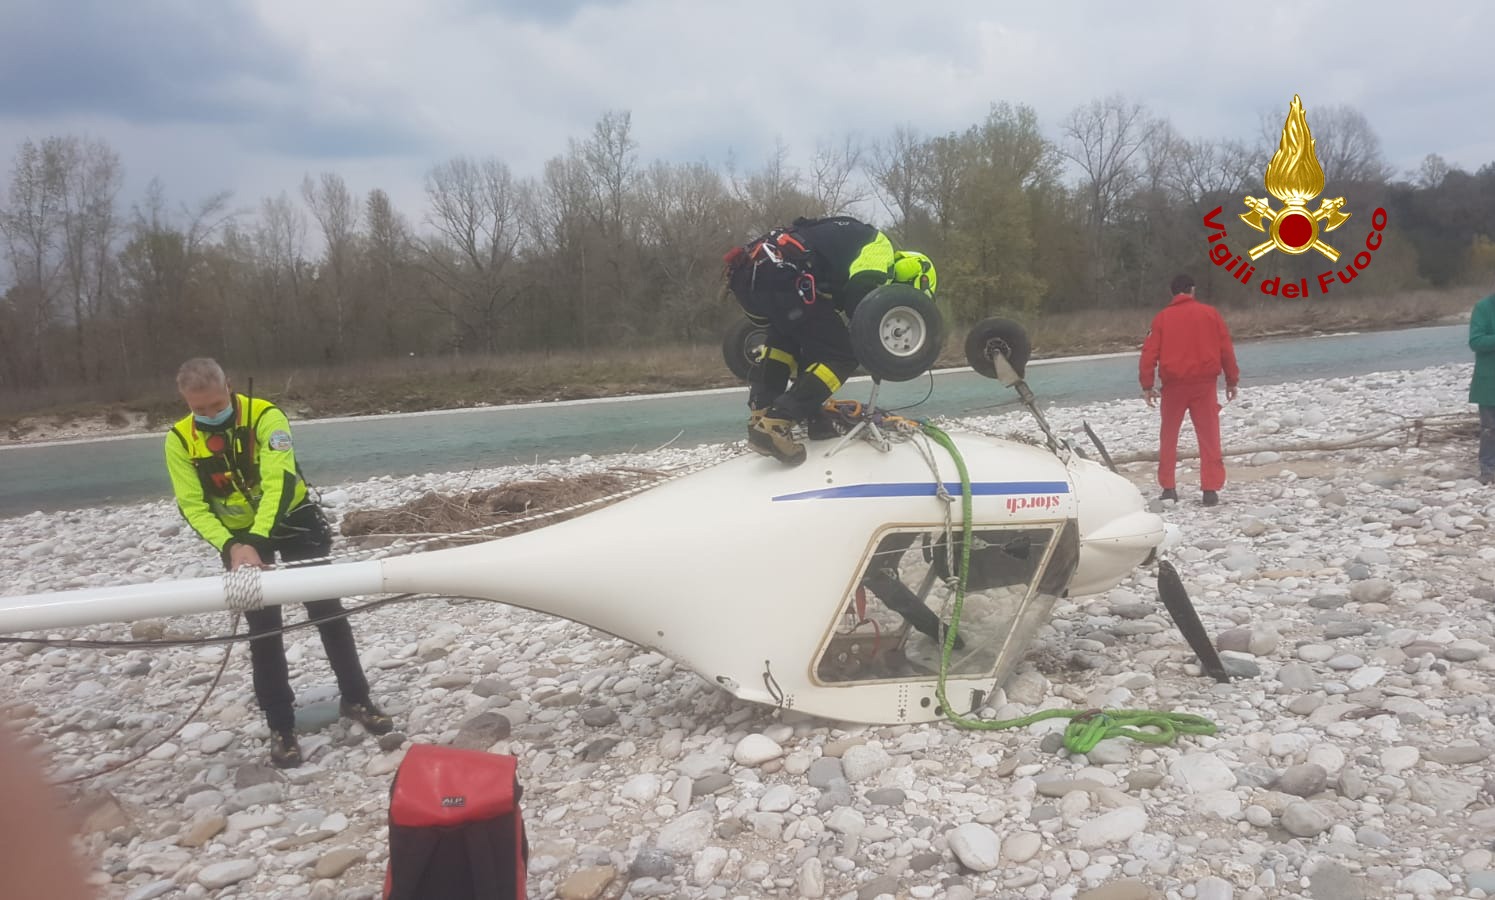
x=833 y=171
x=33 y=228
x=772 y=195
x=280 y=245
x=336 y=213
x=387 y=256
x=897 y=168
x=1106 y=139
x=1431 y=173
x=1204 y=173
x=686 y=213
x=475 y=211
x=91 y=181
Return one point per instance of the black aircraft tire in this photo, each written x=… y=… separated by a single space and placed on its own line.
x=740 y=346
x=995 y=334
x=897 y=332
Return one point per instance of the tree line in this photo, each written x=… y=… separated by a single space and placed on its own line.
x=603 y=250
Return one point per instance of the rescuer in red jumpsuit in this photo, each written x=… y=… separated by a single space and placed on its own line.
x=1189 y=346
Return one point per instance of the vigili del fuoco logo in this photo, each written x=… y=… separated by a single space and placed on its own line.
x=1295 y=178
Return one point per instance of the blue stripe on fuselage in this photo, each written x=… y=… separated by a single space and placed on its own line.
x=927 y=489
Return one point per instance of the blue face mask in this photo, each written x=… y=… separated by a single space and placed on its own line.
x=219 y=419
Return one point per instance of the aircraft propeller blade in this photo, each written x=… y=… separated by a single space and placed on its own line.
x=1171 y=591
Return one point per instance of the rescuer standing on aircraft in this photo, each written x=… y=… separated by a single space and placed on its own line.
x=238 y=484
x=803 y=283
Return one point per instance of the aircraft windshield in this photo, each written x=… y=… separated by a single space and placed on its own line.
x=892 y=625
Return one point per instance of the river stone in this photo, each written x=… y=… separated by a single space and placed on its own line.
x=1332 y=881
x=223 y=874
x=1021 y=847
x=1116 y=826
x=823 y=771
x=1444 y=794
x=1459 y=753
x=482 y=731
x=1200 y=772
x=587 y=884
x=1303 y=819
x=203 y=828
x=710 y=784
x=776 y=799
x=598 y=717
x=887 y=797
x=651 y=863
x=685 y=834
x=334 y=863
x=1303 y=781
x=756 y=749
x=976 y=846
x=1372 y=590
x=862 y=762
x=1125 y=889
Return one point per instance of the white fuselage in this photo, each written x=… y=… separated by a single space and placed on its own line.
x=744 y=572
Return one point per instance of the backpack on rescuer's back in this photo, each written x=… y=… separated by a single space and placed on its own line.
x=455 y=830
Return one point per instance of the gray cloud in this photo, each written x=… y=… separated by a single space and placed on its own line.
x=238 y=91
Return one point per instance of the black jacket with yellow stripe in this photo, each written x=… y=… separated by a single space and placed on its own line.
x=239 y=481
x=850 y=258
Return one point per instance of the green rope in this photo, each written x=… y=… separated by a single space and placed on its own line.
x=1087 y=727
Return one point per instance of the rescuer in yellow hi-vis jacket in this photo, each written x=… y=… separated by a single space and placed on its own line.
x=234 y=472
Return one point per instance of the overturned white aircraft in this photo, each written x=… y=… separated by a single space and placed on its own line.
x=824 y=588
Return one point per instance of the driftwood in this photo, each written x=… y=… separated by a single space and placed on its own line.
x=1412 y=433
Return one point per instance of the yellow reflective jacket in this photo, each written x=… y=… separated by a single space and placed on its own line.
x=240 y=480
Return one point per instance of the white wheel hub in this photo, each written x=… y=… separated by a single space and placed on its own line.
x=902 y=331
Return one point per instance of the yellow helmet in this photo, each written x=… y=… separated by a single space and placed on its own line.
x=912 y=267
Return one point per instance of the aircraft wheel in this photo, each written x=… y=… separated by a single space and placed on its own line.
x=741 y=346
x=995 y=335
x=897 y=332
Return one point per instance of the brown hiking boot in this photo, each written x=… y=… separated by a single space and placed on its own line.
x=775 y=437
x=368 y=715
x=285 y=753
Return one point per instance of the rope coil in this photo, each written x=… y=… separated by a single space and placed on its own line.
x=242 y=591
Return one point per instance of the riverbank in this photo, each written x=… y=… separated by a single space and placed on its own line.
x=1351 y=588
x=418 y=385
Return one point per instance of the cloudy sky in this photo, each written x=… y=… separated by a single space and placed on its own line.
x=251 y=95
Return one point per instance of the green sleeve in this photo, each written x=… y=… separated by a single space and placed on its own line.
x=1482 y=326
x=189 y=496
x=277 y=462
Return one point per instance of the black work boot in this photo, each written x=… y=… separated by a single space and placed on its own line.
x=368 y=715
x=1211 y=498
x=1169 y=494
x=285 y=753
x=825 y=424
x=774 y=437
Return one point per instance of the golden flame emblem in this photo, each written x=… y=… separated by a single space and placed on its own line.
x=1295 y=177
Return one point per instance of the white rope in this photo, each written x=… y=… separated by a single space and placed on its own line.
x=241 y=589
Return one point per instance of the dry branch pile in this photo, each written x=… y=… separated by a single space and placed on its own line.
x=435 y=514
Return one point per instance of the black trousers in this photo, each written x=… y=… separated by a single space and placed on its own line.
x=304 y=534
x=813 y=334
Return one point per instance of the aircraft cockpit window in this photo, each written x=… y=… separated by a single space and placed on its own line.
x=893 y=624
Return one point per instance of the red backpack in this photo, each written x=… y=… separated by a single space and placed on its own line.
x=455 y=831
